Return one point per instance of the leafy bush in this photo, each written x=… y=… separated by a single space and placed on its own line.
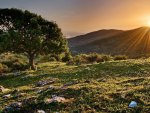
x=13 y=62
x=3 y=68
x=107 y=57
x=52 y=59
x=66 y=57
x=88 y=58
x=57 y=57
x=120 y=57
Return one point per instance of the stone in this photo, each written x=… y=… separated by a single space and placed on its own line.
x=41 y=111
x=13 y=107
x=17 y=74
x=2 y=89
x=71 y=83
x=27 y=76
x=45 y=89
x=133 y=104
x=43 y=83
x=7 y=96
x=55 y=98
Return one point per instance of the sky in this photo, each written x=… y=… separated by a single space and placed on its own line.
x=76 y=17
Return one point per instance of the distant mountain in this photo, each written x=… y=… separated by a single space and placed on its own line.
x=134 y=43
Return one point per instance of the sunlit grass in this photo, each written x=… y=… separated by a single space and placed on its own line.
x=102 y=87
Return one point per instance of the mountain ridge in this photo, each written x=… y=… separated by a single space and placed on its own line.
x=132 y=42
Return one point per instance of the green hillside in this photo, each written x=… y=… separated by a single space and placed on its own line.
x=106 y=87
x=133 y=43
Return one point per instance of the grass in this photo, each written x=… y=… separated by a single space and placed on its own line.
x=106 y=87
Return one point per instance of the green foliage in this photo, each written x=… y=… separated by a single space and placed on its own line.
x=120 y=57
x=13 y=62
x=67 y=57
x=26 y=32
x=52 y=59
x=89 y=58
x=3 y=68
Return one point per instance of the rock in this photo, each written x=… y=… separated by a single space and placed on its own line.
x=2 y=89
x=13 y=107
x=56 y=99
x=17 y=74
x=7 y=96
x=87 y=68
x=41 y=111
x=27 y=76
x=43 y=83
x=71 y=83
x=46 y=89
x=133 y=104
x=30 y=100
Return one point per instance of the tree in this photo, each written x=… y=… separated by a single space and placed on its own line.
x=28 y=33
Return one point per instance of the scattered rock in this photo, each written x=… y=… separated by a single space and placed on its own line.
x=30 y=100
x=71 y=83
x=87 y=68
x=7 y=96
x=19 y=95
x=27 y=76
x=56 y=99
x=133 y=104
x=17 y=74
x=43 y=83
x=101 y=80
x=41 y=111
x=13 y=107
x=45 y=89
x=2 y=89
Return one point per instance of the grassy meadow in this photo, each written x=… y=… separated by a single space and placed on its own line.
x=106 y=87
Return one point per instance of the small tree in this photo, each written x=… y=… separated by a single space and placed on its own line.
x=28 y=33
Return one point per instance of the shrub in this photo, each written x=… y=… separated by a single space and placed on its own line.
x=93 y=57
x=52 y=59
x=57 y=57
x=106 y=57
x=67 y=57
x=13 y=62
x=16 y=64
x=88 y=58
x=120 y=57
x=3 y=68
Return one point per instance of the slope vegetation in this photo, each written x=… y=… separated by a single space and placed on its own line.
x=133 y=43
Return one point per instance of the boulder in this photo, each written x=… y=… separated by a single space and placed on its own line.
x=16 y=106
x=7 y=96
x=17 y=74
x=41 y=111
x=71 y=83
x=133 y=104
x=44 y=82
x=2 y=89
x=55 y=98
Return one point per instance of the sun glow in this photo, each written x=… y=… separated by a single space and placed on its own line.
x=148 y=23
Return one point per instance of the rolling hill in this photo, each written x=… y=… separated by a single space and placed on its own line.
x=134 y=43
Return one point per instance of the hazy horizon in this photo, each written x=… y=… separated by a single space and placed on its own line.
x=77 y=17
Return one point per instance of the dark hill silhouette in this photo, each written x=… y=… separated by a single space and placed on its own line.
x=134 y=43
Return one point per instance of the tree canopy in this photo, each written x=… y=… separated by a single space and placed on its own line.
x=29 y=33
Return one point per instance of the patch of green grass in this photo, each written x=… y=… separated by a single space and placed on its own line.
x=102 y=87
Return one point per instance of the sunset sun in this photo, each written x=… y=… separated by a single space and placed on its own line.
x=148 y=23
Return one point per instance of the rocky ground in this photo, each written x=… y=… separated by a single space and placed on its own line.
x=108 y=87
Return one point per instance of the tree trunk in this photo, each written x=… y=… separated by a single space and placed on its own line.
x=31 y=62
